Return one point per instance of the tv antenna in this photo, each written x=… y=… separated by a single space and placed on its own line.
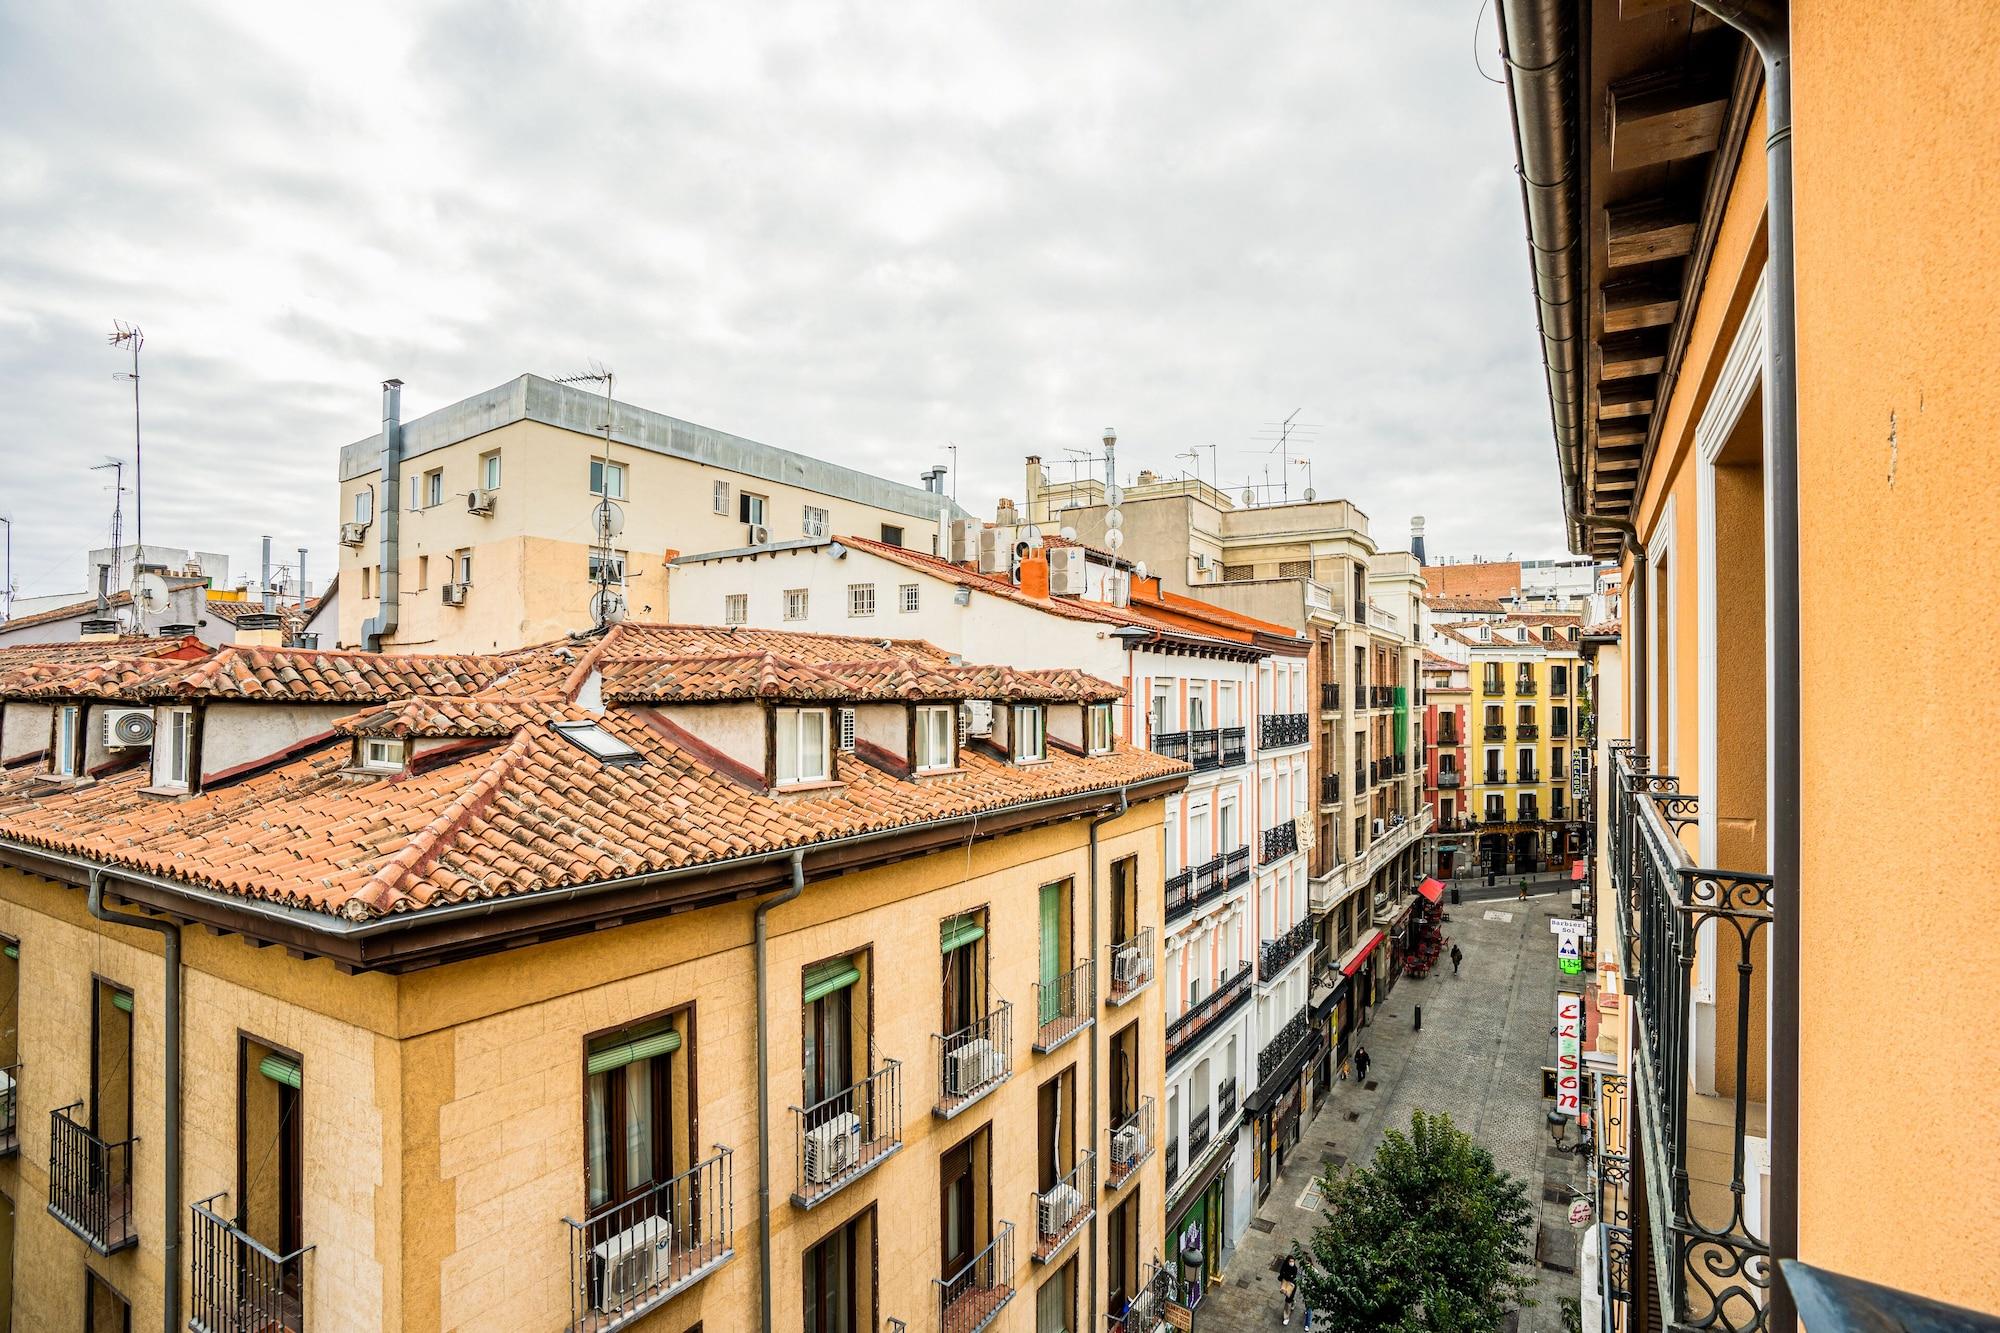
x=1283 y=435
x=117 y=466
x=607 y=519
x=121 y=332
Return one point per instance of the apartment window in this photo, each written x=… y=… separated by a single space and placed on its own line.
x=423 y=572
x=909 y=597
x=962 y=942
x=111 y=1063
x=1121 y=1251
x=1556 y=769
x=364 y=505
x=860 y=599
x=1494 y=772
x=433 y=488
x=815 y=521
x=463 y=559
x=365 y=572
x=736 y=609
x=270 y=1082
x=607 y=567
x=1559 y=721
x=68 y=758
x=795 y=603
x=937 y=737
x=1200 y=849
x=1028 y=730
x=607 y=479
x=965 y=1209
x=1160 y=717
x=1524 y=763
x=1226 y=831
x=1053 y=918
x=1495 y=716
x=1558 y=678
x=104 y=1310
x=719 y=497
x=1492 y=682
x=891 y=535
x=173 y=743
x=628 y=1120
x=382 y=755
x=1097 y=729
x=489 y=471
x=836 y=1021
x=803 y=752
x=1197 y=708
x=840 y=1279
x=750 y=508
x=1496 y=806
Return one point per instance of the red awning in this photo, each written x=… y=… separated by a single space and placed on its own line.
x=1360 y=953
x=1576 y=870
x=1432 y=889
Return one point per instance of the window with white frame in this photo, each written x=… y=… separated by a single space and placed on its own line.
x=1226 y=832
x=736 y=609
x=1098 y=729
x=489 y=471
x=382 y=755
x=750 y=508
x=814 y=524
x=1173 y=822
x=1200 y=849
x=860 y=599
x=173 y=742
x=1197 y=707
x=795 y=603
x=1028 y=733
x=607 y=568
x=1225 y=704
x=607 y=479
x=937 y=737
x=1160 y=718
x=364 y=505
x=909 y=597
x=719 y=497
x=433 y=488
x=68 y=757
x=803 y=754
x=463 y=560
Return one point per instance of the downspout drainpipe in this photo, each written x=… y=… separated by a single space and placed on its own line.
x=170 y=935
x=1096 y=1040
x=798 y=886
x=1767 y=23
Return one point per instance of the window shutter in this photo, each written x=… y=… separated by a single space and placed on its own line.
x=847 y=731
x=280 y=1070
x=664 y=1042
x=121 y=1000
x=961 y=931
x=823 y=979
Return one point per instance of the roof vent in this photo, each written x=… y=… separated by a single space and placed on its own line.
x=176 y=630
x=99 y=629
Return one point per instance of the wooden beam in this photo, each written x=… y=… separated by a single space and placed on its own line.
x=1637 y=305
x=1647 y=231
x=1620 y=460
x=1631 y=431
x=1626 y=355
x=1661 y=118
x=1628 y=399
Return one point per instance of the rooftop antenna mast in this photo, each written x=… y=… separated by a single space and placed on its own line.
x=117 y=466
x=1283 y=434
x=607 y=520
x=121 y=332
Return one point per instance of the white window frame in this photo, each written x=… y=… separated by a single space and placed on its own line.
x=67 y=761
x=753 y=508
x=380 y=754
x=931 y=758
x=607 y=479
x=364 y=505
x=489 y=471
x=860 y=600
x=798 y=603
x=594 y=562
x=789 y=751
x=463 y=565
x=1099 y=729
x=719 y=498
x=736 y=609
x=434 y=488
x=814 y=521
x=1028 y=721
x=173 y=746
x=909 y=598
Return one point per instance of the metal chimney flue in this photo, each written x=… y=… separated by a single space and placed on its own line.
x=389 y=611
x=264 y=580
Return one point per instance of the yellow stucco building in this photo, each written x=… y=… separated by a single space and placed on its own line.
x=1526 y=683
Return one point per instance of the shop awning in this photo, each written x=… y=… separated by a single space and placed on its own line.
x=1432 y=889
x=1576 y=870
x=1359 y=953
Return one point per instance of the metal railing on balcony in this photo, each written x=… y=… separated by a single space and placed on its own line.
x=1496 y=731
x=974 y=1060
x=1235 y=746
x=1329 y=788
x=1446 y=738
x=1279 y=840
x=1205 y=749
x=1179 y=898
x=1274 y=955
x=1381 y=696
x=1172 y=745
x=1402 y=762
x=1173 y=1160
x=90 y=1183
x=1132 y=968
x=1225 y=1103
x=1525 y=686
x=1236 y=866
x=1065 y=1006
x=10 y=1097
x=1361 y=779
x=1063 y=1208
x=973 y=1297
x=1716 y=1269
x=1530 y=813
x=1277 y=730
x=236 y=1284
x=1329 y=697
x=1611 y=1146
x=1146 y=1310
x=1527 y=731
x=1206 y=1012
x=1131 y=1143
x=629 y=1259
x=1199 y=1130
x=1492 y=685
x=1283 y=1044
x=1448 y=777
x=843 y=1137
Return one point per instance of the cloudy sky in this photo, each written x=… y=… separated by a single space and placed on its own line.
x=861 y=231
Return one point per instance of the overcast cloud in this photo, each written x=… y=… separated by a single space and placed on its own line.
x=858 y=231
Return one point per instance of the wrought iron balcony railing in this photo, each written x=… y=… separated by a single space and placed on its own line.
x=1235 y=746
x=843 y=1137
x=10 y=1097
x=1131 y=968
x=1206 y=1012
x=1131 y=1143
x=1527 y=731
x=1714 y=1266
x=1205 y=749
x=1447 y=738
x=1524 y=686
x=1198 y=1132
x=1382 y=696
x=90 y=1183
x=973 y=1297
x=631 y=1258
x=1173 y=1161
x=1280 y=840
x=974 y=1060
x=1448 y=777
x=1146 y=1310
x=1236 y=866
x=1063 y=1208
x=1179 y=894
x=1402 y=762
x=1329 y=788
x=1612 y=1148
x=1283 y=1044
x=1329 y=696
x=238 y=1285
x=1361 y=780
x=1274 y=955
x=1172 y=744
x=1065 y=1006
x=1277 y=730
x=1225 y=1103
x=1496 y=731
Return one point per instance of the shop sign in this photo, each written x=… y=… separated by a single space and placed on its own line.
x=1579 y=777
x=1568 y=957
x=1569 y=1051
x=1564 y=925
x=1179 y=1316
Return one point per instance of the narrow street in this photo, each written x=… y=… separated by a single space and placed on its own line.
x=1485 y=1037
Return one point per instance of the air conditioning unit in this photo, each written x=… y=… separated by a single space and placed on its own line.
x=1128 y=1145
x=1131 y=966
x=1378 y=828
x=1139 y=1312
x=1067 y=565
x=1121 y=588
x=125 y=728
x=453 y=594
x=832 y=1148
x=964 y=541
x=996 y=550
x=759 y=535
x=846 y=719
x=979 y=717
x=1058 y=1210
x=479 y=502
x=353 y=534
x=1202 y=563
x=632 y=1263
x=971 y=1065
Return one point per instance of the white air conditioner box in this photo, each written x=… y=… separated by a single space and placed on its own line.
x=353 y=534
x=1058 y=1210
x=637 y=1260
x=479 y=502
x=453 y=594
x=1067 y=565
x=832 y=1148
x=125 y=728
x=975 y=1063
x=996 y=550
x=979 y=717
x=965 y=540
x=1128 y=1145
x=1132 y=966
x=1378 y=828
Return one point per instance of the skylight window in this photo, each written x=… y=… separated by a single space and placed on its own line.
x=593 y=739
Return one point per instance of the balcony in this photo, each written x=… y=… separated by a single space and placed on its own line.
x=1281 y=1046
x=1173 y=745
x=10 y=1095
x=1236 y=866
x=1275 y=954
x=1493 y=685
x=1530 y=814
x=1225 y=1102
x=1329 y=788
x=974 y=1060
x=1200 y=1130
x=1280 y=840
x=1528 y=777
x=90 y=1183
x=1235 y=745
x=1063 y=1208
x=1402 y=763
x=1448 y=778
x=1698 y=1145
x=1360 y=780
x=1276 y=731
x=1329 y=697
x=843 y=1138
x=1524 y=687
x=1065 y=1006
x=1146 y=1311
x=239 y=1286
x=1131 y=968
x=1496 y=732
x=1527 y=731
x=1131 y=1144
x=1179 y=898
x=1382 y=696
x=1205 y=1013
x=631 y=1258
x=973 y=1297
x=1447 y=738
x=1173 y=1161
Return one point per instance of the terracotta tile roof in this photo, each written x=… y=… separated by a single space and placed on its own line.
x=769 y=676
x=1603 y=629
x=230 y=611
x=308 y=675
x=1538 y=618
x=1465 y=605
x=448 y=716
x=57 y=614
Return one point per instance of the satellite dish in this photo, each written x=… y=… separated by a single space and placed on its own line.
x=1032 y=537
x=1114 y=518
x=607 y=606
x=1310 y=495
x=149 y=593
x=608 y=518
x=1249 y=497
x=1068 y=533
x=1140 y=569
x=1114 y=538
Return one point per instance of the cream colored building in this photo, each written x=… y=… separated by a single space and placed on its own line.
x=492 y=514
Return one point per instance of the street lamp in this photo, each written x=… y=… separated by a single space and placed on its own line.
x=1557 y=1120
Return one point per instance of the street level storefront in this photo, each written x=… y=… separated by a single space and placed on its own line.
x=1276 y=1108
x=1329 y=1002
x=1401 y=931
x=1199 y=1226
x=1357 y=966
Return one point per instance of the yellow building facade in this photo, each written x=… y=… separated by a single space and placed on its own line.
x=1525 y=698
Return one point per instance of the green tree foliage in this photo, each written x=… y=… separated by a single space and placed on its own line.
x=1429 y=1237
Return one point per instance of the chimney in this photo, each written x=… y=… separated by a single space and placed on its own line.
x=1037 y=491
x=1005 y=514
x=270 y=597
x=1034 y=574
x=260 y=629
x=98 y=629
x=1417 y=539
x=1147 y=476
x=302 y=578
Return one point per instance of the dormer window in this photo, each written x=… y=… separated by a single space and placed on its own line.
x=937 y=737
x=379 y=754
x=67 y=761
x=803 y=752
x=173 y=746
x=1029 y=730
x=1097 y=729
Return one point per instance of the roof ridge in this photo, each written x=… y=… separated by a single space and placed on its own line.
x=384 y=889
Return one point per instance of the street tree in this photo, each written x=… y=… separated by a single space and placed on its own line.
x=1428 y=1237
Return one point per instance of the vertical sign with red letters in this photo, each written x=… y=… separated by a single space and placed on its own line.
x=1569 y=1052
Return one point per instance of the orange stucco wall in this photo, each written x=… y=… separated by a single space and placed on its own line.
x=1898 y=228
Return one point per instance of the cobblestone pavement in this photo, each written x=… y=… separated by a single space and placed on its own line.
x=1486 y=1036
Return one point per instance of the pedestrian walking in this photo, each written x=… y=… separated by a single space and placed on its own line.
x=1524 y=888
x=1288 y=1282
x=1361 y=1063
x=1457 y=957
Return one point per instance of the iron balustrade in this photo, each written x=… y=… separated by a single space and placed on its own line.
x=1236 y=866
x=1382 y=696
x=1198 y=1132
x=1447 y=777
x=1329 y=697
x=1179 y=894
x=1235 y=746
x=1329 y=788
x=1280 y=840
x=10 y=1096
x=841 y=1138
x=1529 y=776
x=1131 y=1143
x=1208 y=1011
x=1205 y=749
x=1063 y=1208
x=1360 y=780
x=1492 y=685
x=90 y=1183
x=973 y=1297
x=1283 y=1044
x=632 y=1257
x=1446 y=736
x=1496 y=731
x=1670 y=912
x=1496 y=777
x=1402 y=764
x=1065 y=1006
x=1146 y=1310
x=237 y=1284
x=1173 y=1160
x=1275 y=954
x=1277 y=730
x=1171 y=744
x=1527 y=731
x=1374 y=770
x=1525 y=686
x=1132 y=967
x=1530 y=812
x=1613 y=1169
x=974 y=1060
x=1225 y=1103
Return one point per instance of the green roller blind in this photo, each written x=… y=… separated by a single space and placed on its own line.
x=823 y=979
x=1051 y=933
x=664 y=1042
x=280 y=1070
x=121 y=1000
x=961 y=931
x=12 y=950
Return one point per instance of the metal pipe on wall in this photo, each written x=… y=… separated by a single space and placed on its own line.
x=1096 y=1042
x=389 y=608
x=761 y=941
